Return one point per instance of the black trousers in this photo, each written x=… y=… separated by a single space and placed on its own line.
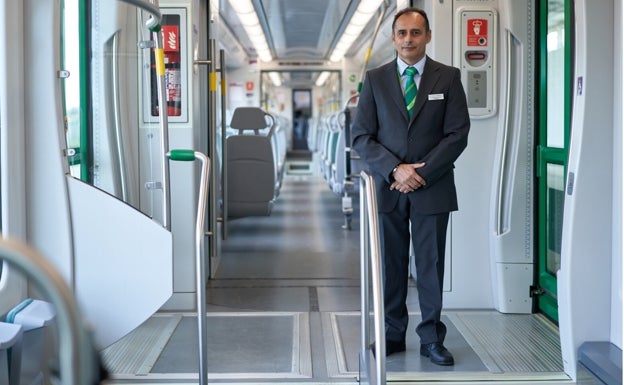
x=429 y=240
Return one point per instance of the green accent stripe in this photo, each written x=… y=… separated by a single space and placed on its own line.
x=10 y=318
x=182 y=155
x=83 y=151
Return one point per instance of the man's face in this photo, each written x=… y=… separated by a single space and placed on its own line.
x=410 y=37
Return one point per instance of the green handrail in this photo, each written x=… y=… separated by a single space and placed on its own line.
x=182 y=155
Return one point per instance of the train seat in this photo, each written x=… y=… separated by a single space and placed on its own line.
x=10 y=339
x=324 y=138
x=280 y=140
x=36 y=318
x=338 y=168
x=330 y=149
x=345 y=166
x=251 y=164
x=357 y=164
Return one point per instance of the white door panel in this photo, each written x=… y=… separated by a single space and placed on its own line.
x=123 y=262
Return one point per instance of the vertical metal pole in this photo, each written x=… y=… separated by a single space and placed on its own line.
x=224 y=153
x=201 y=268
x=370 y=253
x=376 y=276
x=200 y=259
x=364 y=270
x=212 y=151
x=164 y=123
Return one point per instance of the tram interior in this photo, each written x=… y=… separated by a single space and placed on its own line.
x=282 y=246
x=283 y=304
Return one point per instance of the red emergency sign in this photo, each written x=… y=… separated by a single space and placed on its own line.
x=173 y=75
x=477 y=32
x=170 y=38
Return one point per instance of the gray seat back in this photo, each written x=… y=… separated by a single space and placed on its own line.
x=251 y=164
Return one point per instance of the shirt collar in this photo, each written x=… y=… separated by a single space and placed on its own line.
x=420 y=65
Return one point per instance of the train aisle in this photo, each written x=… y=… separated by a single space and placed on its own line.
x=284 y=307
x=270 y=306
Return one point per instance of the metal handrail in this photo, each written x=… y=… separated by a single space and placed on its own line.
x=370 y=263
x=155 y=27
x=502 y=175
x=347 y=136
x=200 y=261
x=151 y=8
x=369 y=51
x=78 y=361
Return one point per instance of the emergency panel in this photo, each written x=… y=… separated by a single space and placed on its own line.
x=476 y=45
x=174 y=25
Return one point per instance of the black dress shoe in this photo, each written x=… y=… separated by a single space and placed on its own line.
x=391 y=347
x=437 y=353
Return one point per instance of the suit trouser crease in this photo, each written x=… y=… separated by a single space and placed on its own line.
x=429 y=240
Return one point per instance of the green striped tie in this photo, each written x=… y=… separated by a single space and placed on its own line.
x=410 y=90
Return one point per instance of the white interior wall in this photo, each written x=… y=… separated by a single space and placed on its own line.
x=12 y=286
x=47 y=215
x=584 y=285
x=618 y=169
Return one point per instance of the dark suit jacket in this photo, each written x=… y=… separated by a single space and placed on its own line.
x=437 y=133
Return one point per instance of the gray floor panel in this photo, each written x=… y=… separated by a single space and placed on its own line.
x=502 y=356
x=345 y=328
x=273 y=345
x=284 y=308
x=259 y=298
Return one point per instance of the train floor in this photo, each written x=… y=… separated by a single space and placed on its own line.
x=284 y=308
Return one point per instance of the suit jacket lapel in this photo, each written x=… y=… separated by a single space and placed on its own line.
x=394 y=86
x=428 y=80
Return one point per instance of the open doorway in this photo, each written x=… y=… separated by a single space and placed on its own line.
x=302 y=111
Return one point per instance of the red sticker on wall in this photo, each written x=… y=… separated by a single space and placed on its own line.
x=477 y=32
x=171 y=38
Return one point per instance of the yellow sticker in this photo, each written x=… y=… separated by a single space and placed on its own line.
x=213 y=82
x=160 y=62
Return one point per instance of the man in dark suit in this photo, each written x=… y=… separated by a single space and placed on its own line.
x=410 y=147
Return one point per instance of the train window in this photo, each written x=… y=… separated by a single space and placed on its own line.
x=302 y=111
x=71 y=86
x=555 y=45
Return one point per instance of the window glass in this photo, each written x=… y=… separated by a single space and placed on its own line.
x=71 y=84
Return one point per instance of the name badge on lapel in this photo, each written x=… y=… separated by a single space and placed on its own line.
x=436 y=96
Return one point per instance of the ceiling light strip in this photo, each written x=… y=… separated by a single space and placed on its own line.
x=275 y=78
x=249 y=20
x=322 y=78
x=365 y=10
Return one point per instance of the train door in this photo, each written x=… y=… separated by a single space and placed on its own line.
x=302 y=110
x=552 y=151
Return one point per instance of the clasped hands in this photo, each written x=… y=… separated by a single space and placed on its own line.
x=406 y=179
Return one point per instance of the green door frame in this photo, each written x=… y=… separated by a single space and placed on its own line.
x=77 y=122
x=551 y=186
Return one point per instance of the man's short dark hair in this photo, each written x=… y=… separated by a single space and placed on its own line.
x=411 y=10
